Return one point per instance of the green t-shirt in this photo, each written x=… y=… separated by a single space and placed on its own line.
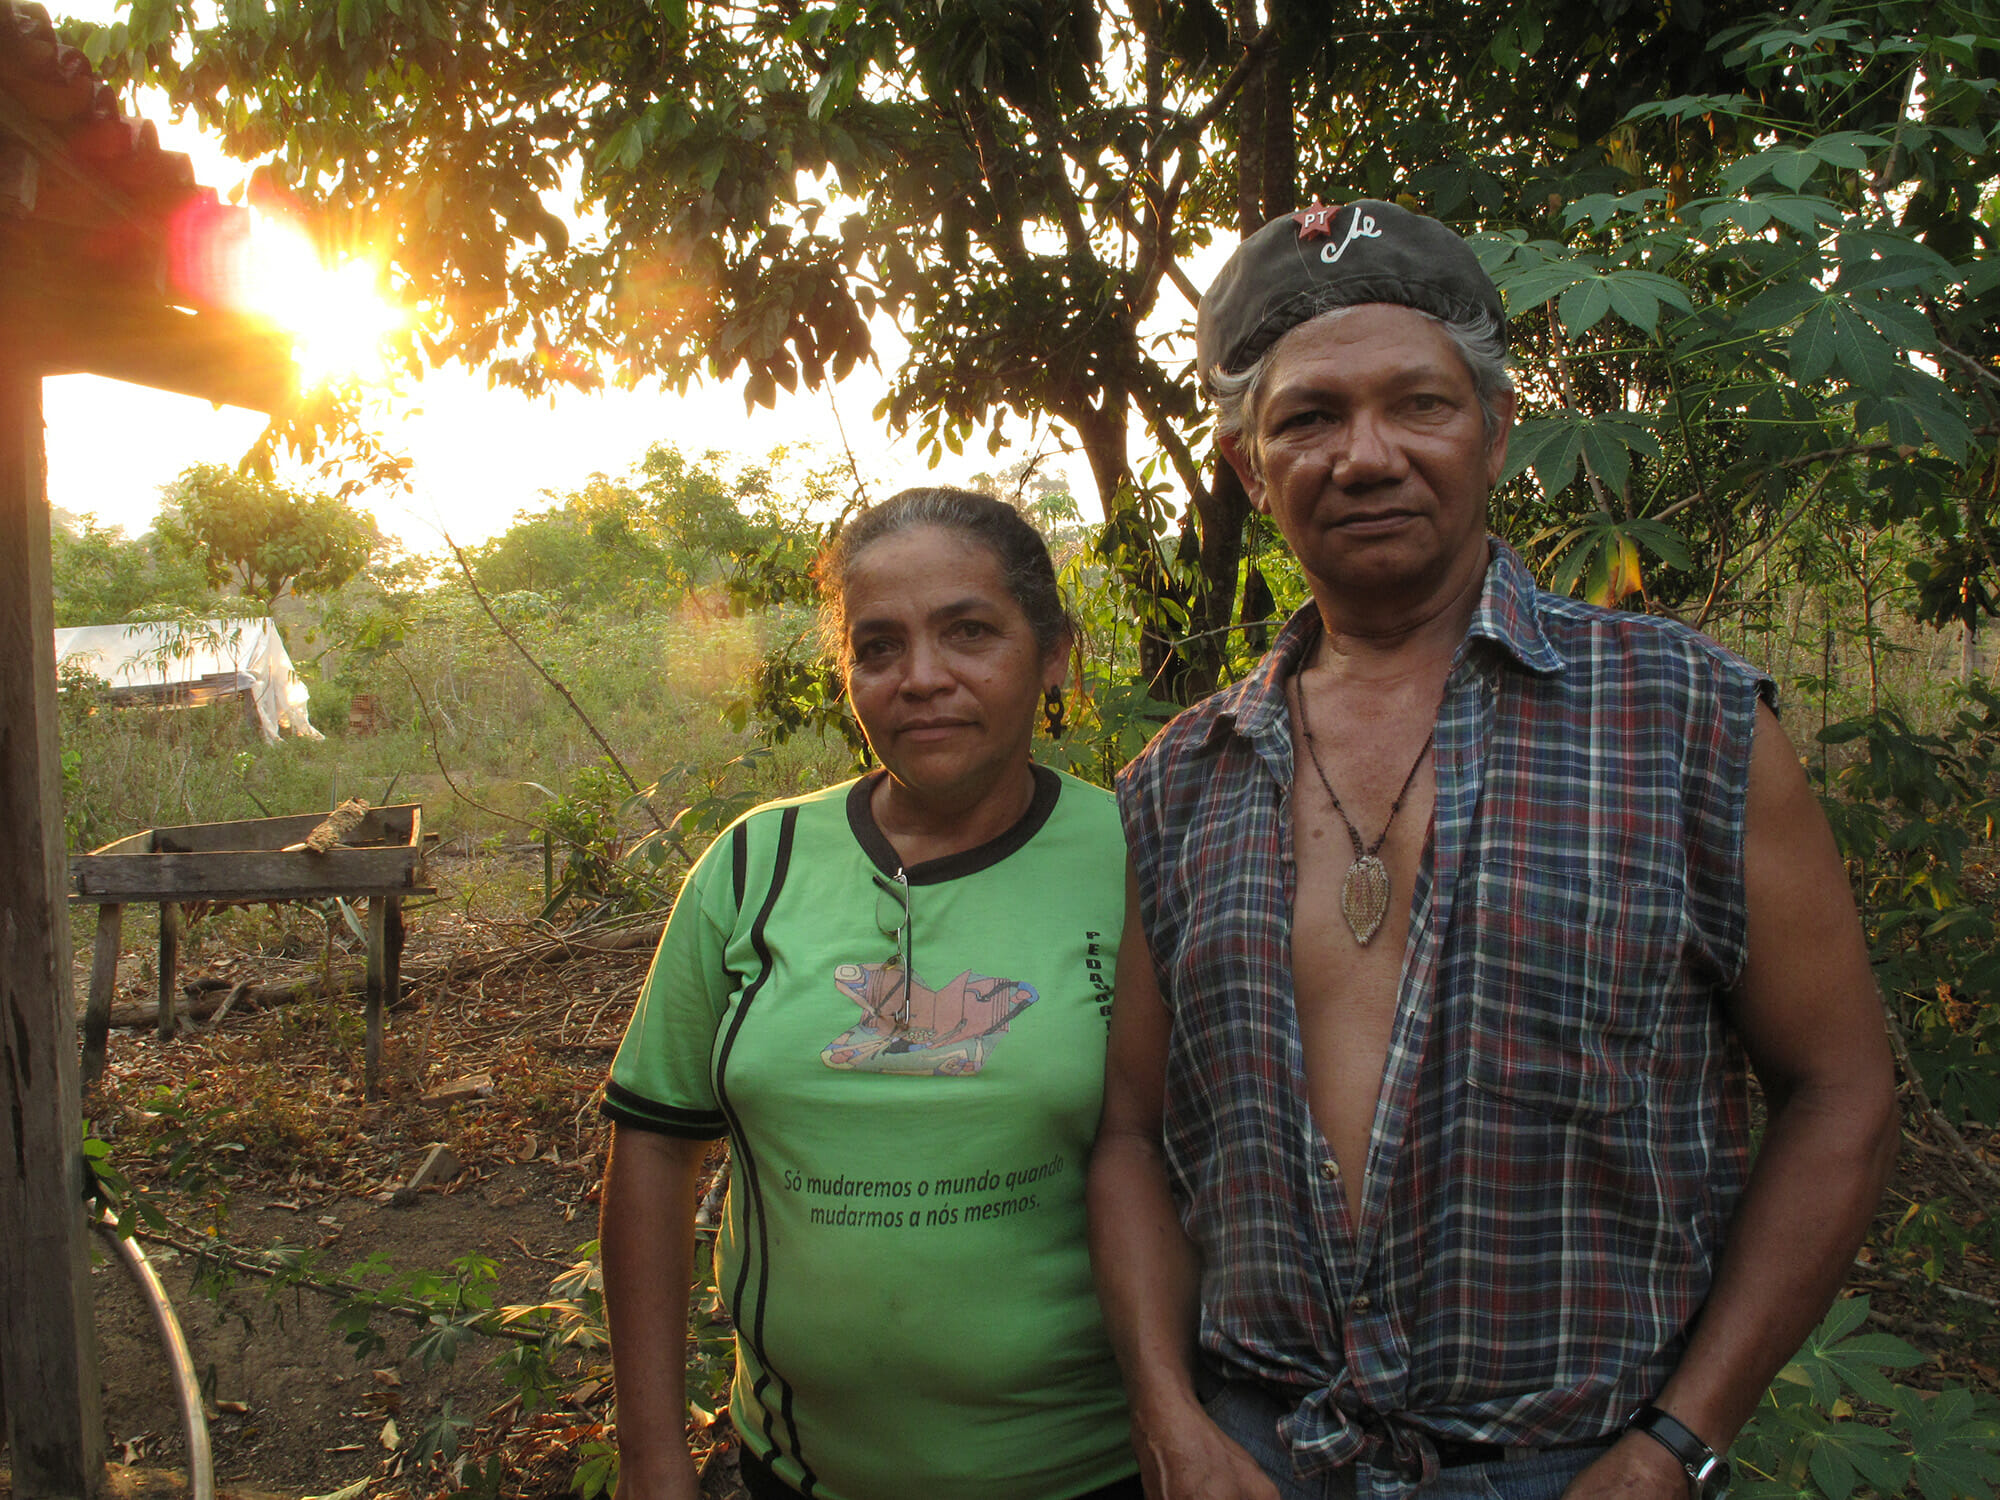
x=903 y=1253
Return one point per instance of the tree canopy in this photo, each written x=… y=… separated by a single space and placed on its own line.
x=262 y=537
x=1749 y=250
x=672 y=528
x=101 y=576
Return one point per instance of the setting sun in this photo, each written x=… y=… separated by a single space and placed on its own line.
x=337 y=313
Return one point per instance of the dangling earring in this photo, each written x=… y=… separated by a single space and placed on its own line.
x=1055 y=717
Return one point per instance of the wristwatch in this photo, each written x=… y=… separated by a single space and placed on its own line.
x=1707 y=1472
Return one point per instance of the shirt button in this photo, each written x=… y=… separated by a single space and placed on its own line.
x=1330 y=1170
x=1362 y=1303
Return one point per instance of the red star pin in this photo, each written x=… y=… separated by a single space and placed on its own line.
x=1315 y=221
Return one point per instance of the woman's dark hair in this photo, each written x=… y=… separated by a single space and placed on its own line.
x=1025 y=567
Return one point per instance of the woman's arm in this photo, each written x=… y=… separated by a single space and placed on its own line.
x=646 y=1238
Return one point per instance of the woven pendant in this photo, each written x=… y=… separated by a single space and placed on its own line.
x=1364 y=897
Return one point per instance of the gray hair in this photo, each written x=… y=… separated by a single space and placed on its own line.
x=1477 y=339
x=1025 y=567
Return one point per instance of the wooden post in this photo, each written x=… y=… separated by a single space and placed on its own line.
x=103 y=979
x=170 y=964
x=392 y=986
x=377 y=992
x=48 y=1350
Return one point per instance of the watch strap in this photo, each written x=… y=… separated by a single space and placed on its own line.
x=1703 y=1465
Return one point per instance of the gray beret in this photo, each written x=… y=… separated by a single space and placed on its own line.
x=1320 y=258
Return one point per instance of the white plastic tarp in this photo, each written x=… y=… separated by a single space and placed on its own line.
x=182 y=652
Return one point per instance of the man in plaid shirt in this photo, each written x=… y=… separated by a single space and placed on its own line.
x=1454 y=927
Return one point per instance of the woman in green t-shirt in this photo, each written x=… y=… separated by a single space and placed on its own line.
x=892 y=997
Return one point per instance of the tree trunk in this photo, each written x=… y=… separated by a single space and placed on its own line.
x=1266 y=186
x=1220 y=509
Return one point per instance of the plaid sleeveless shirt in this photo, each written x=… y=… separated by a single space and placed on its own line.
x=1562 y=1130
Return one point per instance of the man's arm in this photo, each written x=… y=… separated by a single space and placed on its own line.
x=646 y=1238
x=1148 y=1277
x=1811 y=1021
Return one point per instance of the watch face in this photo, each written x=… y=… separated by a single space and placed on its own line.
x=1712 y=1482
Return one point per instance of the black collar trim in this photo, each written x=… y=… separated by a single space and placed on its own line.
x=861 y=819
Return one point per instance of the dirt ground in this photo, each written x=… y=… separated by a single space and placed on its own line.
x=292 y=1409
x=254 y=1136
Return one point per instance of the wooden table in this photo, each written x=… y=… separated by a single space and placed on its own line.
x=246 y=861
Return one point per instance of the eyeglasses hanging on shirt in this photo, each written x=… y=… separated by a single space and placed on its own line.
x=892 y=915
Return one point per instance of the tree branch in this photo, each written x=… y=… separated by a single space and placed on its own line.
x=1777 y=535
x=437 y=750
x=1819 y=455
x=1931 y=1114
x=549 y=677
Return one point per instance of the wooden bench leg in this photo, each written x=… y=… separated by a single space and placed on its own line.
x=170 y=962
x=379 y=996
x=103 y=977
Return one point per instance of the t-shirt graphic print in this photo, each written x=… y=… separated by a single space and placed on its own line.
x=908 y=1027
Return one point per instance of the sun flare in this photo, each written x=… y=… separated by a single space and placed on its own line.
x=337 y=314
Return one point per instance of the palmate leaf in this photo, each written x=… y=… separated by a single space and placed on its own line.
x=1547 y=445
x=1528 y=273
x=1803 y=213
x=1911 y=418
x=1847 y=149
x=1602 y=208
x=1636 y=296
x=1898 y=322
x=1812 y=348
x=1551 y=445
x=1775 y=1447
x=1845 y=1454
x=1602 y=555
x=1609 y=454
x=1770 y=1489
x=1660 y=539
x=1691 y=107
x=1779 y=305
x=1584 y=305
x=1954 y=1442
x=1790 y=166
x=1530 y=288
x=1862 y=354
x=1834 y=1356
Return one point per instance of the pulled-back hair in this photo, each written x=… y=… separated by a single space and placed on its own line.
x=1025 y=568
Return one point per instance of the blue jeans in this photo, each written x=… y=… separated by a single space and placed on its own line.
x=1250 y=1415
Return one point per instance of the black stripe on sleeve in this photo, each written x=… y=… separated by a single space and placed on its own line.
x=750 y=1316
x=623 y=1107
x=739 y=862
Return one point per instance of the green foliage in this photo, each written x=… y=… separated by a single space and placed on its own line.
x=100 y=577
x=1908 y=807
x=1112 y=709
x=1833 y=1423
x=669 y=533
x=1783 y=329
x=586 y=824
x=1749 y=252
x=597 y=1471
x=570 y=1318
x=81 y=696
x=548 y=554
x=109 y=1190
x=450 y=1306
x=605 y=870
x=263 y=538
